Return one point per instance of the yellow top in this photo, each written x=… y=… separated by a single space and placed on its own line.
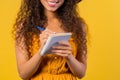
x=53 y=67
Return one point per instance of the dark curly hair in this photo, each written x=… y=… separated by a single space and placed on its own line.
x=31 y=14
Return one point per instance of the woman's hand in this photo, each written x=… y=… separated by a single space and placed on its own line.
x=63 y=49
x=44 y=36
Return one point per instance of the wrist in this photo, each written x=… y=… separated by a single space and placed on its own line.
x=69 y=57
x=39 y=53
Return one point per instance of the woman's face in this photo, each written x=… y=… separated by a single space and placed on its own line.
x=52 y=5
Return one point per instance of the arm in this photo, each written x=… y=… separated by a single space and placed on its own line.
x=27 y=66
x=77 y=67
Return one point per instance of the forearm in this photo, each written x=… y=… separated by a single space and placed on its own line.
x=76 y=67
x=27 y=69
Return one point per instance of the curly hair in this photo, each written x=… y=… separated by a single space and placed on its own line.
x=31 y=14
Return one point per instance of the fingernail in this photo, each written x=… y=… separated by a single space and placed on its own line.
x=54 y=32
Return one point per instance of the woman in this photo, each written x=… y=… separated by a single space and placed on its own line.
x=66 y=61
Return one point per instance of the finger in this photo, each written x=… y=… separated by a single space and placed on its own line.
x=62 y=51
x=46 y=35
x=43 y=36
x=46 y=31
x=64 y=43
x=62 y=48
x=52 y=33
x=63 y=55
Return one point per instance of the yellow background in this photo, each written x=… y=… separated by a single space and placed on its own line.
x=103 y=19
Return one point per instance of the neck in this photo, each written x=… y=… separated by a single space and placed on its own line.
x=50 y=15
x=53 y=22
x=52 y=19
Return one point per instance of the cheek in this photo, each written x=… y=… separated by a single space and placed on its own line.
x=62 y=2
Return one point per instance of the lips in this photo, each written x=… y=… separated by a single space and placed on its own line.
x=52 y=3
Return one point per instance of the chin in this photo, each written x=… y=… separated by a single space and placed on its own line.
x=52 y=9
